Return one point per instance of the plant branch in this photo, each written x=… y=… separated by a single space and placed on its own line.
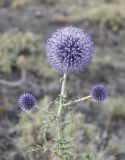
x=62 y=93
x=78 y=100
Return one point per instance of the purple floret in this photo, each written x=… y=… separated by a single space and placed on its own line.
x=69 y=50
x=99 y=92
x=27 y=101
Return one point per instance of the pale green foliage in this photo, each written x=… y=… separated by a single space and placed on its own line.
x=107 y=16
x=14 y=45
x=28 y=45
x=30 y=122
x=60 y=147
x=85 y=136
x=16 y=3
x=115 y=109
x=103 y=59
x=29 y=125
x=113 y=19
x=87 y=139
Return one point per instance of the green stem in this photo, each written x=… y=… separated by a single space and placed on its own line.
x=78 y=100
x=62 y=94
x=59 y=114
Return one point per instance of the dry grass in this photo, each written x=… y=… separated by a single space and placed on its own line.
x=111 y=16
x=18 y=3
x=115 y=108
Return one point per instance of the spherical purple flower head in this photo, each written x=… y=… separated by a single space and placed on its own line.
x=99 y=93
x=69 y=50
x=27 y=101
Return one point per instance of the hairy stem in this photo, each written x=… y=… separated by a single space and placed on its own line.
x=78 y=100
x=62 y=94
x=59 y=114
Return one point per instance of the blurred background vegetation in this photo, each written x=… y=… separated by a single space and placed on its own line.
x=25 y=26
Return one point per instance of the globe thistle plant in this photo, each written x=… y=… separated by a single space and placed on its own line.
x=27 y=101
x=69 y=51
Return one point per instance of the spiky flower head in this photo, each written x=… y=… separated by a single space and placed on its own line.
x=99 y=92
x=27 y=101
x=69 y=50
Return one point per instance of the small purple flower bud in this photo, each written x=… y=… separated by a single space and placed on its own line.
x=69 y=50
x=27 y=101
x=99 y=92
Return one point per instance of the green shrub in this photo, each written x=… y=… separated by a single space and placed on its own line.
x=115 y=108
x=109 y=16
x=29 y=126
x=17 y=3
x=22 y=50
